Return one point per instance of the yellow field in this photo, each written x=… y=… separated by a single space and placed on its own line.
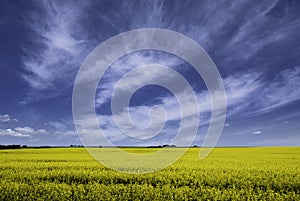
x=270 y=173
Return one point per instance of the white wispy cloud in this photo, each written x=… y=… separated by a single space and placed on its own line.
x=127 y=63
x=227 y=125
x=62 y=129
x=62 y=40
x=4 y=118
x=260 y=29
x=246 y=93
x=25 y=129
x=30 y=131
x=238 y=88
x=22 y=132
x=286 y=117
x=278 y=92
x=12 y=133
x=235 y=31
x=58 y=45
x=258 y=132
x=7 y=118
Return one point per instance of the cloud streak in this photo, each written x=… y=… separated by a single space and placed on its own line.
x=282 y=90
x=247 y=94
x=22 y=132
x=4 y=118
x=62 y=40
x=258 y=132
x=129 y=62
x=59 y=45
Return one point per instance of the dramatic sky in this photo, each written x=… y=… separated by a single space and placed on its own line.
x=254 y=44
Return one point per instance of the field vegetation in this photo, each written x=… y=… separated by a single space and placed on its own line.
x=266 y=173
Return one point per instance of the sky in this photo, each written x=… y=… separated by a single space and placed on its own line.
x=254 y=44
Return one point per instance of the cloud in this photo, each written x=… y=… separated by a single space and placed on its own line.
x=4 y=118
x=232 y=31
x=62 y=38
x=22 y=132
x=12 y=133
x=57 y=125
x=62 y=129
x=227 y=125
x=258 y=30
x=30 y=131
x=240 y=90
x=251 y=93
x=7 y=118
x=129 y=62
x=59 y=45
x=276 y=93
x=258 y=132
x=24 y=129
x=289 y=116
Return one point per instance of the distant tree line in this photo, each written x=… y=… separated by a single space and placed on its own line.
x=17 y=146
x=13 y=146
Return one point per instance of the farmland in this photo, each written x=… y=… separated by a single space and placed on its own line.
x=265 y=173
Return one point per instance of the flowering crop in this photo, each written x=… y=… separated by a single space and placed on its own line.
x=271 y=173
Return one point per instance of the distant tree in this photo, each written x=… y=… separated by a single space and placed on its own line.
x=158 y=146
x=167 y=145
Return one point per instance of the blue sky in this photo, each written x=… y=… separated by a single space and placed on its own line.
x=254 y=44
